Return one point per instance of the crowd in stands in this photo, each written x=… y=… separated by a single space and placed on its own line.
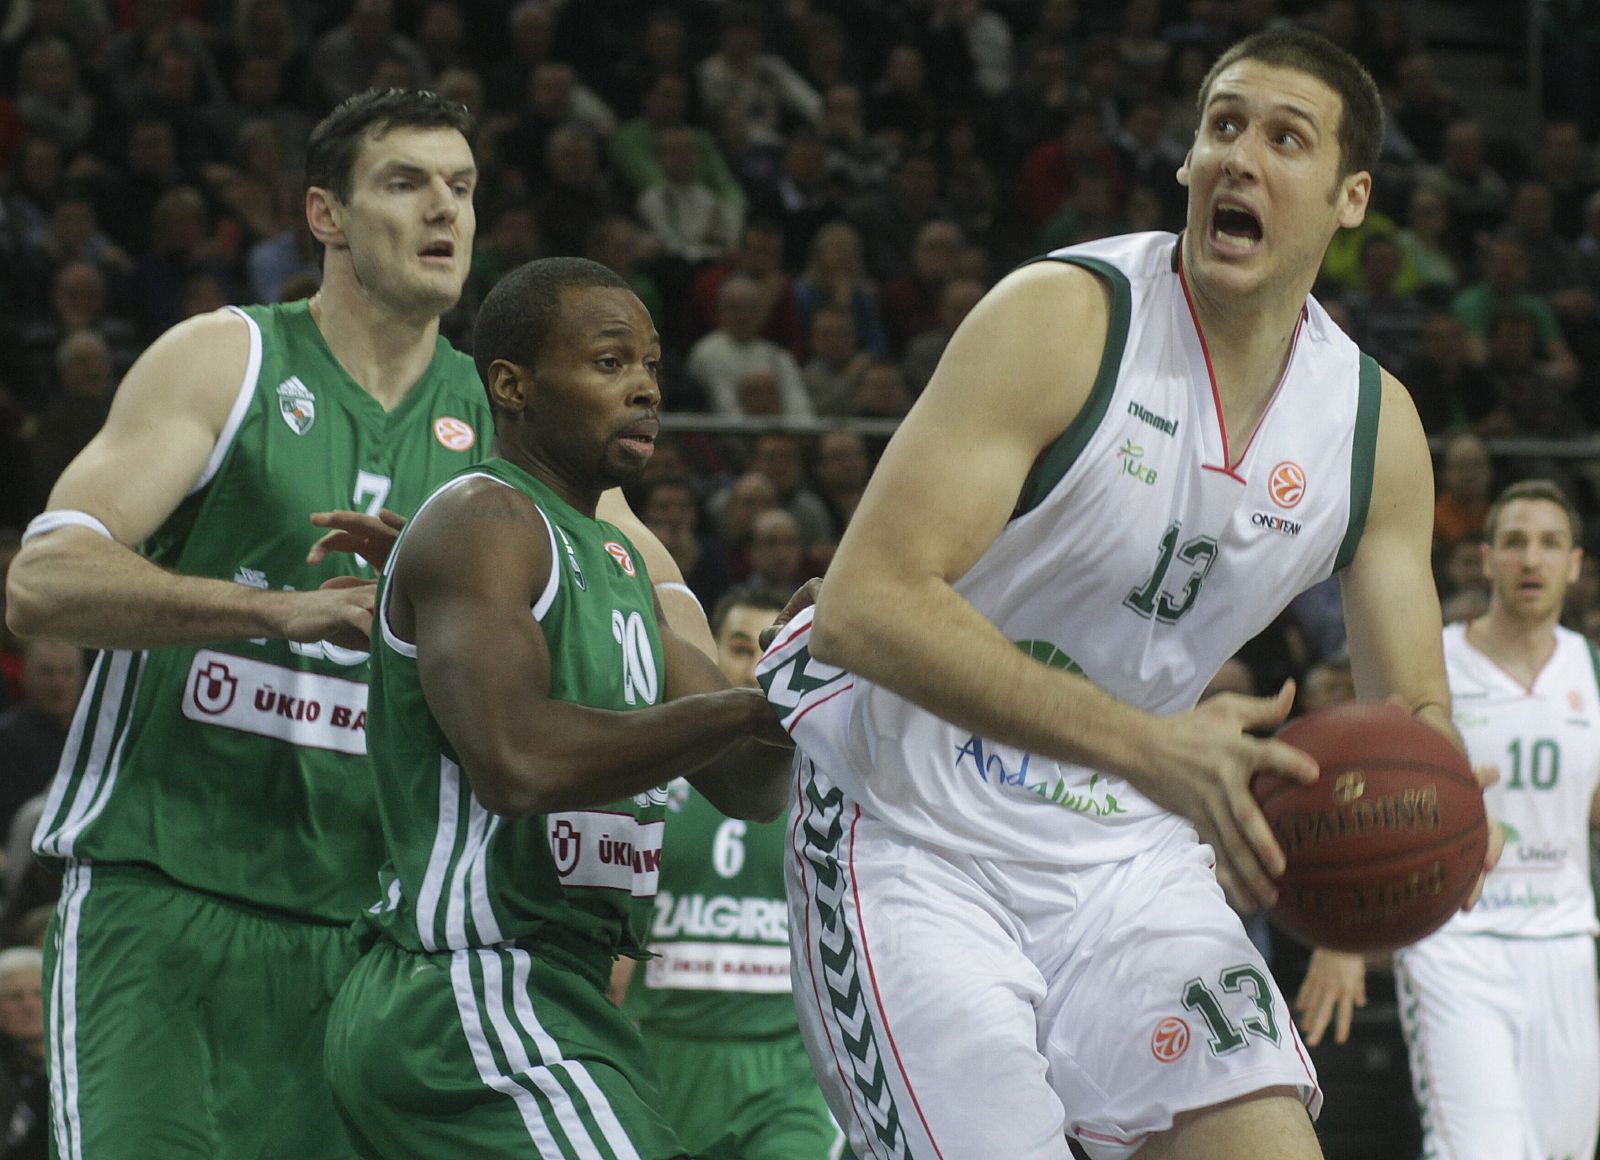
x=809 y=197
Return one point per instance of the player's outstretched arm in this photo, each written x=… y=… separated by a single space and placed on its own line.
x=1014 y=376
x=470 y=568
x=1391 y=607
x=75 y=584
x=751 y=778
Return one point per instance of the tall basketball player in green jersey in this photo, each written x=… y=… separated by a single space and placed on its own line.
x=214 y=813
x=526 y=705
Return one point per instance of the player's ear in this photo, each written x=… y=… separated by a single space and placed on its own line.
x=1575 y=569
x=325 y=217
x=1355 y=193
x=508 y=387
x=1183 y=170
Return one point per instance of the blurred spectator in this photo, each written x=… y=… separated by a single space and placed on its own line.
x=780 y=456
x=1449 y=392
x=529 y=41
x=267 y=31
x=156 y=26
x=1531 y=395
x=1421 y=106
x=1041 y=99
x=10 y=645
x=1387 y=324
x=762 y=86
x=554 y=100
x=1566 y=164
x=618 y=243
x=801 y=199
x=1552 y=261
x=684 y=213
x=75 y=413
x=1144 y=54
x=889 y=223
x=826 y=58
x=777 y=555
x=1466 y=481
x=72 y=234
x=1476 y=193
x=1504 y=283
x=50 y=99
x=900 y=109
x=1428 y=248
x=442 y=36
x=837 y=360
x=669 y=508
x=836 y=276
x=662 y=48
x=911 y=302
x=840 y=469
x=508 y=236
x=125 y=197
x=1463 y=588
x=249 y=186
x=755 y=162
x=575 y=194
x=77 y=303
x=1052 y=170
x=261 y=93
x=24 y=1088
x=923 y=353
x=181 y=245
x=286 y=254
x=734 y=509
x=1149 y=156
x=735 y=348
x=35 y=183
x=988 y=42
x=172 y=85
x=881 y=392
x=346 y=56
x=33 y=732
x=84 y=24
x=970 y=187
x=760 y=259
x=1091 y=211
x=856 y=161
x=633 y=147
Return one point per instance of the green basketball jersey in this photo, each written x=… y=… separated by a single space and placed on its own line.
x=721 y=929
x=459 y=876
x=239 y=767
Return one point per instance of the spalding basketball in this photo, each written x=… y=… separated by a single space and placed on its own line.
x=1387 y=843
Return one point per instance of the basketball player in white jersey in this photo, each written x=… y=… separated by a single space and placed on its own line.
x=1006 y=923
x=1498 y=1007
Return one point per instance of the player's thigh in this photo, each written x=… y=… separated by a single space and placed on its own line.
x=759 y=1095
x=487 y=1052
x=1462 y=1013
x=915 y=1002
x=180 y=1024
x=1159 y=1006
x=1561 y=1065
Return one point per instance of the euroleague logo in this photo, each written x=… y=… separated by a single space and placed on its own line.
x=1170 y=1039
x=1287 y=484
x=620 y=555
x=454 y=434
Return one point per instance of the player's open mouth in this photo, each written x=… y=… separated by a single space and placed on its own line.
x=640 y=438
x=1235 y=226
x=445 y=250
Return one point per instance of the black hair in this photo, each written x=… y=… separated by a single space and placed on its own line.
x=520 y=314
x=369 y=115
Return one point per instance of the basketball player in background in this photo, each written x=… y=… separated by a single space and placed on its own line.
x=214 y=806
x=1130 y=458
x=1498 y=1007
x=715 y=1008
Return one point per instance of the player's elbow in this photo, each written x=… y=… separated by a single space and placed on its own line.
x=32 y=606
x=844 y=626
x=510 y=789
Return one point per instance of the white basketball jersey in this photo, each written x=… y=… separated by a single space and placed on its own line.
x=1138 y=557
x=1546 y=743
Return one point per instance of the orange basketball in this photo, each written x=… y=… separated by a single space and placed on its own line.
x=1387 y=843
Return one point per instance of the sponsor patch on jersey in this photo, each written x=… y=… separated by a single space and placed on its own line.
x=297 y=405
x=606 y=851
x=620 y=555
x=706 y=966
x=1276 y=523
x=454 y=434
x=305 y=709
x=1132 y=456
x=1170 y=1039
x=1287 y=484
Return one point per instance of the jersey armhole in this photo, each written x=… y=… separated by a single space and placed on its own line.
x=1058 y=458
x=1594 y=663
x=241 y=403
x=1363 y=456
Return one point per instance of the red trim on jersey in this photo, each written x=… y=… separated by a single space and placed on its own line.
x=842 y=689
x=877 y=995
x=1228 y=462
x=1527 y=690
x=811 y=962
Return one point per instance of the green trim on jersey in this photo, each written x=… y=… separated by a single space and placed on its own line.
x=1594 y=663
x=1363 y=455
x=1059 y=457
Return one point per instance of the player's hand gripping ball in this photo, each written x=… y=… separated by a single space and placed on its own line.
x=1387 y=843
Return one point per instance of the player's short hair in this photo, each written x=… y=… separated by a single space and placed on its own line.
x=764 y=599
x=1540 y=489
x=520 y=314
x=1361 y=108
x=368 y=116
